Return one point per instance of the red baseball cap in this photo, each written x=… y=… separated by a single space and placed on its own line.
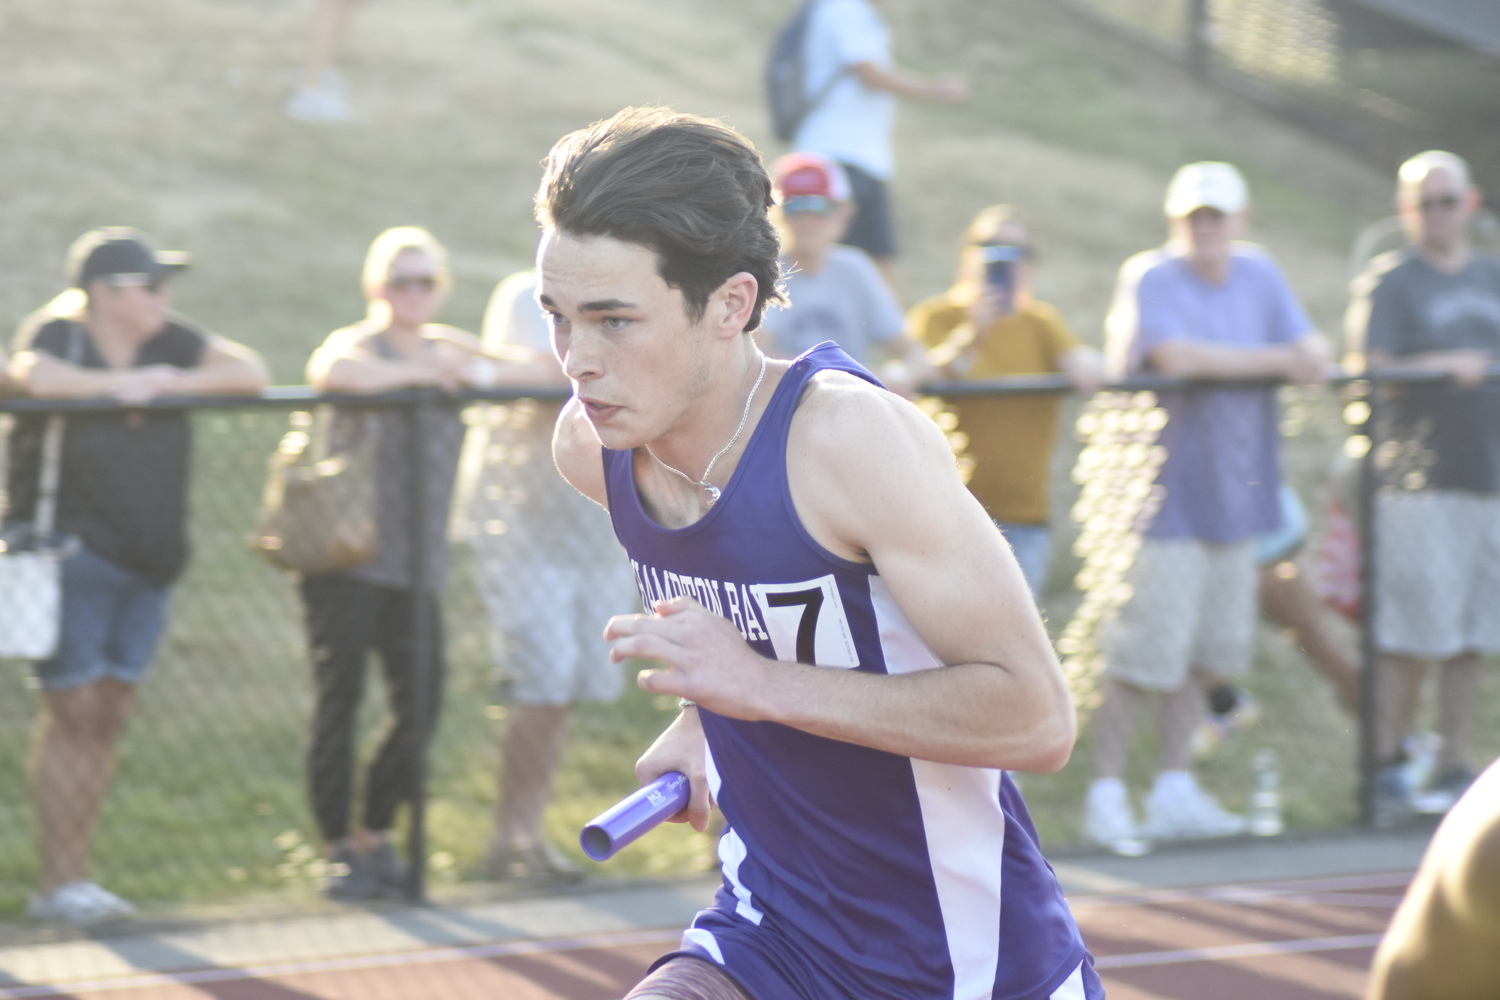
x=799 y=174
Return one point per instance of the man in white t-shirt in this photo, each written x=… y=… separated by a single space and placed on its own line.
x=549 y=571
x=847 y=40
x=835 y=292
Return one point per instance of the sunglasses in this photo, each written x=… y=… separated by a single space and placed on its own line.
x=806 y=204
x=426 y=282
x=150 y=282
x=992 y=253
x=1448 y=202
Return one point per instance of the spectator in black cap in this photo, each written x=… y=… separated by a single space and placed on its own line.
x=122 y=497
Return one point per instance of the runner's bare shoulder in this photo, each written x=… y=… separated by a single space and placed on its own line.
x=857 y=458
x=578 y=453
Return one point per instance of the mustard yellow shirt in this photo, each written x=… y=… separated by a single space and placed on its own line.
x=1010 y=438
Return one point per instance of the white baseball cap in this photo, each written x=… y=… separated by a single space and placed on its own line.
x=1209 y=184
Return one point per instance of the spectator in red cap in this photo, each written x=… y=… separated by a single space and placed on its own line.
x=836 y=292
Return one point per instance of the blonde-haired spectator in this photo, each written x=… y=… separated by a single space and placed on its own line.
x=373 y=607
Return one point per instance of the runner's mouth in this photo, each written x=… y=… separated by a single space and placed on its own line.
x=600 y=411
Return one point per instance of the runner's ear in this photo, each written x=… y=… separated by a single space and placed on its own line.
x=732 y=303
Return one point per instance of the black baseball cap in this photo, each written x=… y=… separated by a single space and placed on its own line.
x=100 y=253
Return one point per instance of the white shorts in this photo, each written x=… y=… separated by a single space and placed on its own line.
x=1192 y=607
x=1437 y=568
x=549 y=629
x=546 y=560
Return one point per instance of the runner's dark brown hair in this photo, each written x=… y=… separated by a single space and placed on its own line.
x=690 y=189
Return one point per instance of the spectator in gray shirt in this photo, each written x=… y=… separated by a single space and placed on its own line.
x=1434 y=305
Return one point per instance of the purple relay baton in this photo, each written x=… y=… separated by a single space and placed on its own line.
x=624 y=822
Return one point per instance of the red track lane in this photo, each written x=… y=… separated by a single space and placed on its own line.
x=1310 y=939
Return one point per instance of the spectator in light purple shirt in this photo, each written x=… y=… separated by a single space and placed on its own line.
x=1203 y=306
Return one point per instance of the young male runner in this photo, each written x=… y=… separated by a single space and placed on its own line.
x=777 y=515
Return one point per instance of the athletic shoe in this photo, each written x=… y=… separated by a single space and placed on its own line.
x=535 y=864
x=1421 y=752
x=1392 y=794
x=387 y=869
x=79 y=902
x=327 y=105
x=1110 y=823
x=353 y=880
x=1177 y=809
x=1230 y=710
x=1442 y=791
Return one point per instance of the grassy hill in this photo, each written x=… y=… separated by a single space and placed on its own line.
x=166 y=114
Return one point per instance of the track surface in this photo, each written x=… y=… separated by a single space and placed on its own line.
x=1310 y=939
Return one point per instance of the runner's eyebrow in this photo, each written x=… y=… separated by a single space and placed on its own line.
x=598 y=305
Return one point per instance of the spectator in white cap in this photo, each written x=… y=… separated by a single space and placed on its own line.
x=1203 y=306
x=835 y=292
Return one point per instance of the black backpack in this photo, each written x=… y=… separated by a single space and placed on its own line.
x=786 y=73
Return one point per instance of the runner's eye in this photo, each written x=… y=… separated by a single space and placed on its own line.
x=614 y=324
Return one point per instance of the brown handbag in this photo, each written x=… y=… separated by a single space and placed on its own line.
x=318 y=512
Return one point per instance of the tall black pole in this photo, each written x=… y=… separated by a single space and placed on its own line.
x=417 y=423
x=1369 y=675
x=1198 y=49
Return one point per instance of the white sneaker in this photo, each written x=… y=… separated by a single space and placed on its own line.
x=328 y=105
x=80 y=902
x=1178 y=809
x=1109 y=821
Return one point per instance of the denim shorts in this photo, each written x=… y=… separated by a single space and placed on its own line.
x=111 y=621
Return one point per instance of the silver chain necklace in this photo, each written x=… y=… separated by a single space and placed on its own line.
x=703 y=484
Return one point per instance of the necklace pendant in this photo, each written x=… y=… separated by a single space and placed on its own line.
x=713 y=494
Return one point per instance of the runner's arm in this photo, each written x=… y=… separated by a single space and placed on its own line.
x=873 y=478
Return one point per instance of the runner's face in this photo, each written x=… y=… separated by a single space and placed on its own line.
x=623 y=335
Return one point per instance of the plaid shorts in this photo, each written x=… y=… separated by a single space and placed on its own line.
x=1192 y=608
x=1437 y=568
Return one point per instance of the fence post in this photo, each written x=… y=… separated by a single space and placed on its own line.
x=1369 y=685
x=418 y=422
x=1197 y=38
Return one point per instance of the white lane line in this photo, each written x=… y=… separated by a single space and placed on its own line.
x=1250 y=893
x=347 y=963
x=1223 y=951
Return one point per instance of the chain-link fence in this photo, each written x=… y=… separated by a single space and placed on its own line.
x=256 y=737
x=1384 y=78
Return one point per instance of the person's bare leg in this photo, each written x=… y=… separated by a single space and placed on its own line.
x=1178 y=715
x=70 y=773
x=1400 y=680
x=534 y=743
x=1291 y=602
x=330 y=21
x=1114 y=727
x=1458 y=696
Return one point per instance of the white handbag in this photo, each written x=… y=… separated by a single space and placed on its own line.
x=31 y=567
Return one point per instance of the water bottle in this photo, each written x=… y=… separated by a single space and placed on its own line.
x=1265 y=801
